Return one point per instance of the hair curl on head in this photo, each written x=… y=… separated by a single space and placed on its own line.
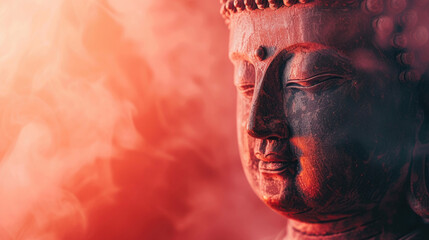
x=229 y=7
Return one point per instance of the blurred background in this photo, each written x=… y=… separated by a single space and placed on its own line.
x=117 y=121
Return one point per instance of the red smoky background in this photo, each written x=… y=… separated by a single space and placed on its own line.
x=117 y=121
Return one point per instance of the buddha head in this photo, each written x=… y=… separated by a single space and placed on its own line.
x=333 y=109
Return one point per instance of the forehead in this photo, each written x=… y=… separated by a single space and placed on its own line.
x=343 y=29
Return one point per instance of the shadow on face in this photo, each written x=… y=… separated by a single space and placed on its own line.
x=326 y=129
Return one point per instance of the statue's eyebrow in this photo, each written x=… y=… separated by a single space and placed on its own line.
x=305 y=46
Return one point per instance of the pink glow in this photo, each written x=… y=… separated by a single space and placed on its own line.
x=118 y=122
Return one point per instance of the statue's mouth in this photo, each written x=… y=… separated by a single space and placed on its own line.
x=288 y=167
x=275 y=157
x=274 y=163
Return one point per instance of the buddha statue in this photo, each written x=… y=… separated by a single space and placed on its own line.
x=333 y=113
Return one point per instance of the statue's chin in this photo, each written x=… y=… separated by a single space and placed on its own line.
x=293 y=207
x=281 y=195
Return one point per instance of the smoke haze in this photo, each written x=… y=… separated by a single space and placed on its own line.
x=117 y=121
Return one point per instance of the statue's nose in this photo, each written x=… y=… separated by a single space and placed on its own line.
x=267 y=117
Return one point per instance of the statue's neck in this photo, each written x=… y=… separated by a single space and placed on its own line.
x=366 y=226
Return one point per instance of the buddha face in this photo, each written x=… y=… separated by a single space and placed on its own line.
x=325 y=127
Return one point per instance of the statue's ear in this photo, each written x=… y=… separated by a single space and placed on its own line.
x=418 y=195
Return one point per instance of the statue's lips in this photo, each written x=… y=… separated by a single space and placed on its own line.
x=277 y=167
x=273 y=164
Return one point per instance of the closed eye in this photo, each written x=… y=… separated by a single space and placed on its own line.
x=320 y=81
x=246 y=89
